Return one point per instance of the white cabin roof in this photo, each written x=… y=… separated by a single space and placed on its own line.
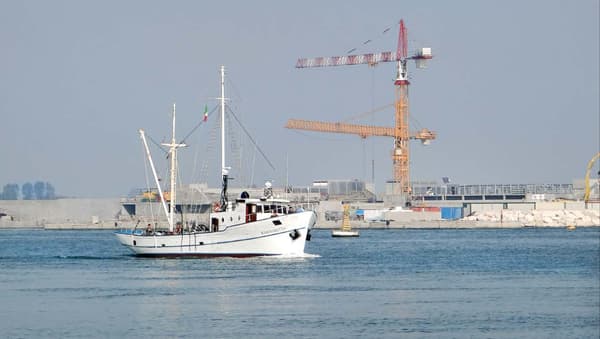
x=263 y=201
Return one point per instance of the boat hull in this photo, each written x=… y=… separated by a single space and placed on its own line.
x=282 y=235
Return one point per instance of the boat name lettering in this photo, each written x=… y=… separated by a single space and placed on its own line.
x=275 y=230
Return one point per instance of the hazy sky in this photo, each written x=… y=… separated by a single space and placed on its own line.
x=512 y=91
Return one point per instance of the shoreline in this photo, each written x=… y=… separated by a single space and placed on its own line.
x=374 y=226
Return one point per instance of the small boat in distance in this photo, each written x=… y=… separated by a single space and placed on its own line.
x=244 y=227
x=345 y=230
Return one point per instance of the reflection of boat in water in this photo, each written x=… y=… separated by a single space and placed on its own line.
x=241 y=228
x=345 y=230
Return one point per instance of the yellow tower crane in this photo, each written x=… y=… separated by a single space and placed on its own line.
x=586 y=195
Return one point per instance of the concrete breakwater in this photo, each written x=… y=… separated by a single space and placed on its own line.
x=61 y=213
x=551 y=218
x=492 y=219
x=109 y=214
x=478 y=215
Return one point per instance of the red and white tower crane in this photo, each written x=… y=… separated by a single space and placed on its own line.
x=400 y=132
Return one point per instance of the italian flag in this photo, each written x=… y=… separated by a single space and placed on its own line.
x=205 y=113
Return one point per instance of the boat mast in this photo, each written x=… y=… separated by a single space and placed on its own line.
x=224 y=169
x=162 y=198
x=173 y=154
x=173 y=183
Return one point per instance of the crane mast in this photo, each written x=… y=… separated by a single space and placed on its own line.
x=400 y=132
x=400 y=155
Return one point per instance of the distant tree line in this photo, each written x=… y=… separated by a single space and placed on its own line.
x=37 y=191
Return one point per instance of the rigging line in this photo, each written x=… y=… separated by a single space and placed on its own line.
x=250 y=137
x=314 y=136
x=235 y=147
x=198 y=169
x=253 y=167
x=208 y=149
x=372 y=111
x=370 y=41
x=158 y=145
x=193 y=175
x=179 y=182
x=415 y=121
x=235 y=91
x=198 y=125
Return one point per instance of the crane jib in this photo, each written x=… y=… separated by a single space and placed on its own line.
x=371 y=58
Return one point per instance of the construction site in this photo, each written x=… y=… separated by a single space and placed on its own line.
x=437 y=200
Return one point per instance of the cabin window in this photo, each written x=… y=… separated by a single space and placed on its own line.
x=250 y=213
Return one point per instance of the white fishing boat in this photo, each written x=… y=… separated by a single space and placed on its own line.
x=346 y=229
x=243 y=227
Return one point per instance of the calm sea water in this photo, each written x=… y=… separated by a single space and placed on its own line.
x=523 y=283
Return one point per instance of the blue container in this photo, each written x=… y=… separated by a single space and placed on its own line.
x=451 y=213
